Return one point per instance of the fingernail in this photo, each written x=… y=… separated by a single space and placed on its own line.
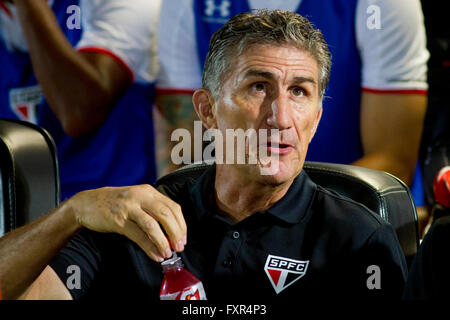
x=184 y=240
x=180 y=245
x=160 y=259
x=168 y=253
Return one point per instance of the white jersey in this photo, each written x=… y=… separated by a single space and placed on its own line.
x=123 y=29
x=390 y=38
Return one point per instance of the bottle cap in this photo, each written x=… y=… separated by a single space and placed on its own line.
x=174 y=254
x=172 y=263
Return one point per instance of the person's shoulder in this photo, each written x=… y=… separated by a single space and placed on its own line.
x=175 y=189
x=344 y=212
x=187 y=186
x=176 y=185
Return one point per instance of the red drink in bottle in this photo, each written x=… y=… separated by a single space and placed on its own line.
x=178 y=283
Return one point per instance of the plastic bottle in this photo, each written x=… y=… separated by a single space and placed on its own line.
x=178 y=283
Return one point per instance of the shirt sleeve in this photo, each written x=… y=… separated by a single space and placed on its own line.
x=392 y=43
x=125 y=30
x=179 y=63
x=82 y=256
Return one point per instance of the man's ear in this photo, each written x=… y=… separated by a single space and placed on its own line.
x=204 y=105
x=316 y=121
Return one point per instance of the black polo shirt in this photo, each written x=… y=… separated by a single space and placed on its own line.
x=311 y=243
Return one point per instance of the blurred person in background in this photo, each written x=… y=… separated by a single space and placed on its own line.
x=84 y=70
x=435 y=146
x=428 y=276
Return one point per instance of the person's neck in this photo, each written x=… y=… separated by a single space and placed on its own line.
x=238 y=197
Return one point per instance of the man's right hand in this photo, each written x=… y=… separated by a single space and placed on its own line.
x=137 y=212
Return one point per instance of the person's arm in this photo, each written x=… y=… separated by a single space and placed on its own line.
x=138 y=212
x=175 y=111
x=392 y=44
x=26 y=251
x=391 y=129
x=180 y=75
x=80 y=87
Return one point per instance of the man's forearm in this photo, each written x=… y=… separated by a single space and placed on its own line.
x=65 y=76
x=391 y=129
x=404 y=172
x=175 y=111
x=25 y=252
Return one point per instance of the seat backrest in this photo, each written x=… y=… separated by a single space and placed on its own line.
x=381 y=192
x=29 y=176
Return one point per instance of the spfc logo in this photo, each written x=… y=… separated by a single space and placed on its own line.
x=24 y=102
x=283 y=272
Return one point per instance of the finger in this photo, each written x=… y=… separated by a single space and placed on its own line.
x=153 y=231
x=178 y=214
x=161 y=213
x=166 y=212
x=133 y=232
x=173 y=206
x=169 y=214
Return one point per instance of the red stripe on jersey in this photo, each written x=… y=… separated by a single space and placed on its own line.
x=112 y=55
x=5 y=9
x=395 y=91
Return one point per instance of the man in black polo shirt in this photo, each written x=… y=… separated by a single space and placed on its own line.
x=248 y=231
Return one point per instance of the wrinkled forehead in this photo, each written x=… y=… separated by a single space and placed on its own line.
x=274 y=61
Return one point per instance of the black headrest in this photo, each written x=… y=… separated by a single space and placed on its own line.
x=29 y=176
x=381 y=192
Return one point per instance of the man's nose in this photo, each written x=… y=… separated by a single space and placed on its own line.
x=280 y=116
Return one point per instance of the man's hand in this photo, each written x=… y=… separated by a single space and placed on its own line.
x=135 y=212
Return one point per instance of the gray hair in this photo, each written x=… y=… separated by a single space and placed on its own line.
x=273 y=27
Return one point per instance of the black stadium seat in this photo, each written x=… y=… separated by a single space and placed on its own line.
x=381 y=192
x=29 y=176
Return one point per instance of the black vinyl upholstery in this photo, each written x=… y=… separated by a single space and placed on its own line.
x=381 y=192
x=29 y=176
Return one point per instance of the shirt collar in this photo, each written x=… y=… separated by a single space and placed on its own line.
x=202 y=192
x=291 y=208
x=297 y=200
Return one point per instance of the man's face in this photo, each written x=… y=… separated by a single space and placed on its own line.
x=273 y=87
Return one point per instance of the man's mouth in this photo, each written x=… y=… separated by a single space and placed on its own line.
x=279 y=148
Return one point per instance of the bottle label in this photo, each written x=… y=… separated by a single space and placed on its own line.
x=195 y=292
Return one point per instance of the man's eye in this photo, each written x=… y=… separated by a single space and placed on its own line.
x=298 y=92
x=260 y=87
